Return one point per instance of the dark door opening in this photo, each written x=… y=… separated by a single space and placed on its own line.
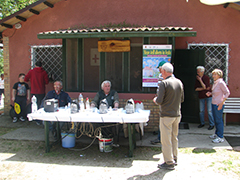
x=185 y=63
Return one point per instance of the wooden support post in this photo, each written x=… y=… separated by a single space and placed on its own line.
x=47 y=145
x=58 y=133
x=134 y=136
x=130 y=140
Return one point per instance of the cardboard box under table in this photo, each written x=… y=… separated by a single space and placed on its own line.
x=63 y=115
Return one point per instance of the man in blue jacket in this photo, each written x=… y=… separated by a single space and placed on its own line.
x=62 y=97
x=63 y=100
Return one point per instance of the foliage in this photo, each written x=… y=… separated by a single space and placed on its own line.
x=8 y=7
x=108 y=25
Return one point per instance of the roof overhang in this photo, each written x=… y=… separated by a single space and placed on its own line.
x=119 y=32
x=25 y=13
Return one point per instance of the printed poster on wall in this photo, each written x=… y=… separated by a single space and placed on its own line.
x=152 y=56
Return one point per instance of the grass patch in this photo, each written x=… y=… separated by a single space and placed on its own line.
x=52 y=154
x=156 y=149
x=29 y=147
x=228 y=165
x=41 y=147
x=212 y=164
x=16 y=149
x=205 y=151
x=5 y=130
x=185 y=150
x=115 y=154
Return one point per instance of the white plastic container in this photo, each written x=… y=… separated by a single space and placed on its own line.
x=34 y=104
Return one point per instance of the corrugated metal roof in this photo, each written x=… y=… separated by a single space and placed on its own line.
x=119 y=32
x=123 y=29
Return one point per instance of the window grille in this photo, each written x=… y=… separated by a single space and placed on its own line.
x=51 y=58
x=216 y=56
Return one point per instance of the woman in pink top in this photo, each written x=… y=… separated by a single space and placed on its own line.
x=220 y=93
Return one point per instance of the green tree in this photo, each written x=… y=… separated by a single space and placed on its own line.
x=8 y=7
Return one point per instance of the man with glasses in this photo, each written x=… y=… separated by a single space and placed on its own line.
x=63 y=100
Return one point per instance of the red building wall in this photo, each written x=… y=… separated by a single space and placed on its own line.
x=214 y=24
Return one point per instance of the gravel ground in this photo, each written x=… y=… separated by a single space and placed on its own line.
x=28 y=160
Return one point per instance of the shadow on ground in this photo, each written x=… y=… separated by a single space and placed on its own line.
x=233 y=141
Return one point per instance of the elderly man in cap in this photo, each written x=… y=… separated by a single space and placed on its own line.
x=170 y=95
x=161 y=63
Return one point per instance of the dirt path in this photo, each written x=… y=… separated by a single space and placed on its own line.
x=27 y=160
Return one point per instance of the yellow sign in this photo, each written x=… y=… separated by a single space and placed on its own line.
x=114 y=46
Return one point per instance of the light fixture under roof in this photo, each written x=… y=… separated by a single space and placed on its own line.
x=18 y=26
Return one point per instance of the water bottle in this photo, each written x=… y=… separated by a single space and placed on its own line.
x=34 y=104
x=87 y=104
x=69 y=108
x=80 y=97
x=81 y=103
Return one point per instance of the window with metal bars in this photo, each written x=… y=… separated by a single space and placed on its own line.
x=216 y=56
x=51 y=58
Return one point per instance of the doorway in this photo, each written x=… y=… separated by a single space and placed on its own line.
x=185 y=63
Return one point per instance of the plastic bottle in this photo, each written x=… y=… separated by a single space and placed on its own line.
x=34 y=104
x=81 y=103
x=87 y=104
x=80 y=97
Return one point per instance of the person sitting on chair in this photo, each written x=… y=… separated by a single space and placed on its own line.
x=112 y=99
x=63 y=100
x=106 y=93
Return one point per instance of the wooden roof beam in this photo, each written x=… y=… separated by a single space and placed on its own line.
x=48 y=4
x=226 y=5
x=21 y=18
x=34 y=11
x=6 y=25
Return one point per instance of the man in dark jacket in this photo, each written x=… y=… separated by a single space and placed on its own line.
x=62 y=97
x=38 y=78
x=112 y=99
x=63 y=100
x=106 y=93
x=170 y=95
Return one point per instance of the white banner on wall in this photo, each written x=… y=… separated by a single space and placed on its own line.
x=152 y=56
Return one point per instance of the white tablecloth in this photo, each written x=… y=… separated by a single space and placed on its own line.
x=63 y=115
